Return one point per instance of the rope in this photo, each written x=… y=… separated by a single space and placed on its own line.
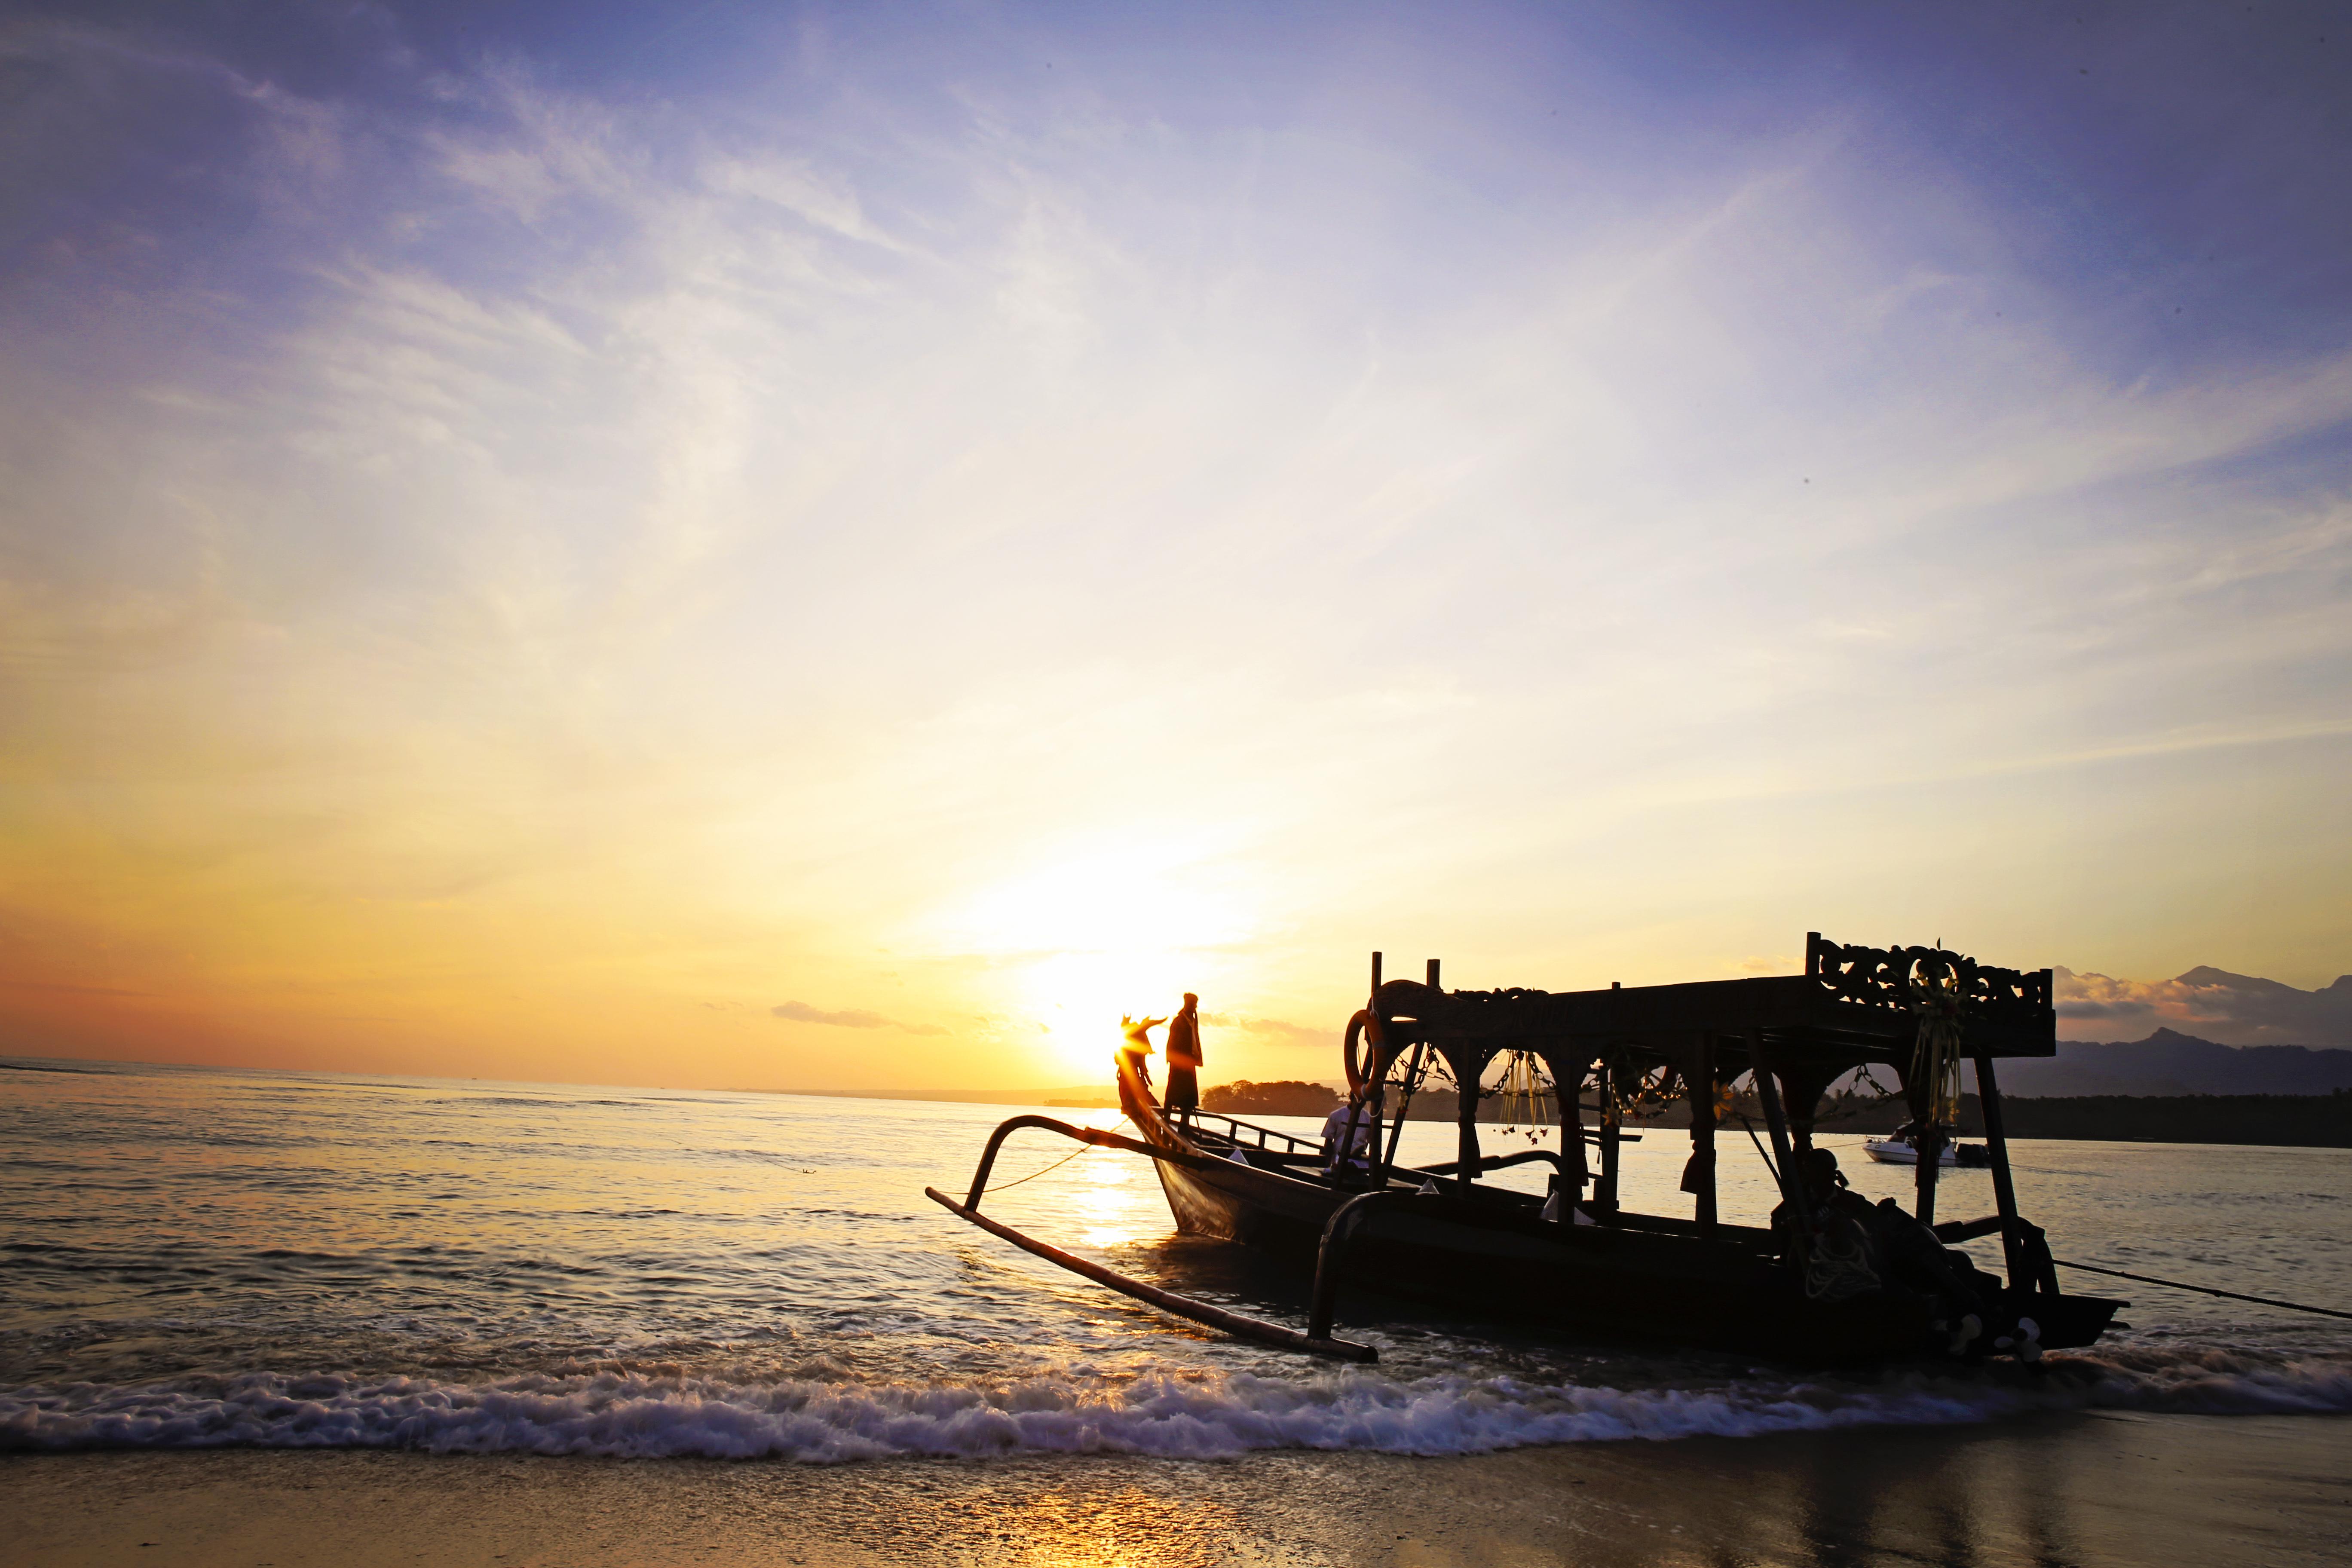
x=1049 y=1170
x=1761 y=1155
x=2202 y=1289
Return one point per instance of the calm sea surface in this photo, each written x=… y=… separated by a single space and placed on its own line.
x=198 y=1257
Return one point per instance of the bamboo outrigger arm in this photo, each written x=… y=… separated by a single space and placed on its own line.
x=1235 y=1323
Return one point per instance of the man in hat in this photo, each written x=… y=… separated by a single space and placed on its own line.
x=1183 y=1050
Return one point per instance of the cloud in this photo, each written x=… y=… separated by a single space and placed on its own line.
x=2212 y=1003
x=825 y=502
x=1284 y=1033
x=850 y=1018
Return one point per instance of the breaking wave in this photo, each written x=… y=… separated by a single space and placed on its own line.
x=1192 y=1415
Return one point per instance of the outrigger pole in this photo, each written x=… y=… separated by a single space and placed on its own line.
x=1200 y=1311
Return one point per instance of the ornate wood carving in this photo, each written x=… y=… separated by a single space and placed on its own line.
x=1882 y=976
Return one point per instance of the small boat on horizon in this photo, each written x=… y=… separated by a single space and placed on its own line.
x=1899 y=1151
x=1834 y=1278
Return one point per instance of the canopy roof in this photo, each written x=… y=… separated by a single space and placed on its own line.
x=1852 y=1004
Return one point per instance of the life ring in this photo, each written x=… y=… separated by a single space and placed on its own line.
x=1367 y=1027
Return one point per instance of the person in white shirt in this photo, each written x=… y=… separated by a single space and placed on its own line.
x=1351 y=1134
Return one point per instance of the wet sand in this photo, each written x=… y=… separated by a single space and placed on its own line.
x=2074 y=1489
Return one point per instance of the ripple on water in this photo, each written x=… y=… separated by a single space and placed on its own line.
x=226 y=1258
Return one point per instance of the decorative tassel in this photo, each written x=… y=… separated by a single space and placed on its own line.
x=1935 y=999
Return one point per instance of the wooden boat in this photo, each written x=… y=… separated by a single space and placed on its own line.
x=1574 y=1259
x=1899 y=1151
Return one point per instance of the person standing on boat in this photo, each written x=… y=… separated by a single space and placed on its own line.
x=1183 y=1051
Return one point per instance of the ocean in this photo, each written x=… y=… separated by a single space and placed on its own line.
x=200 y=1258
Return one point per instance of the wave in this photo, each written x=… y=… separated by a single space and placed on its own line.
x=1205 y=1416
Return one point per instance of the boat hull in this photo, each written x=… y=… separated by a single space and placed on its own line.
x=1491 y=1253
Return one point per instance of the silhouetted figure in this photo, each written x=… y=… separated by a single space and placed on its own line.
x=1137 y=1051
x=1349 y=1134
x=1185 y=1056
x=1856 y=1246
x=1840 y=1254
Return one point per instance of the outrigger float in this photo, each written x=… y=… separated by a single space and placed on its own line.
x=1576 y=1260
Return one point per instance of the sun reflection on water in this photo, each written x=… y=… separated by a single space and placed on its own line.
x=1108 y=1203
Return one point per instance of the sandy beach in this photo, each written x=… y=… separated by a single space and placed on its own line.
x=2077 y=1489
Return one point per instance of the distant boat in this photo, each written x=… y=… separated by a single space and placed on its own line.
x=1895 y=1151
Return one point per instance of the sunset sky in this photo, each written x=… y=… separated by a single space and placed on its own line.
x=845 y=546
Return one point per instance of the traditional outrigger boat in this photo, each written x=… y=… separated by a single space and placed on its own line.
x=1576 y=1260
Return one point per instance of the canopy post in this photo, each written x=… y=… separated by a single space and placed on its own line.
x=1801 y=1101
x=1698 y=1176
x=1465 y=1116
x=1604 y=1197
x=1776 y=1122
x=1413 y=1073
x=2005 y=1190
x=1375 y=1092
x=1929 y=1141
x=1568 y=1089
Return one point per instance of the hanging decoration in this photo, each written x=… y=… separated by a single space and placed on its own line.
x=1642 y=1099
x=1935 y=1067
x=1527 y=1096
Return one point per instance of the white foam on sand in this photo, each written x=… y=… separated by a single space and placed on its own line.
x=1178 y=1415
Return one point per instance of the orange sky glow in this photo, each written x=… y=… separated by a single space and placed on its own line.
x=857 y=567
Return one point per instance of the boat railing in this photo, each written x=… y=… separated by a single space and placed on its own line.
x=1234 y=1127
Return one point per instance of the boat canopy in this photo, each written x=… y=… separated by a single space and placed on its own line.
x=1852 y=1007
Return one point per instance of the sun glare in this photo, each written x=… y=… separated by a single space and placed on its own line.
x=1133 y=898
x=1122 y=930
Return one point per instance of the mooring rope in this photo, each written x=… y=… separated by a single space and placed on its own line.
x=2203 y=1290
x=1760 y=1152
x=1049 y=1170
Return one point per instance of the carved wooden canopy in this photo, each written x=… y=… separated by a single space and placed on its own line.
x=1852 y=1004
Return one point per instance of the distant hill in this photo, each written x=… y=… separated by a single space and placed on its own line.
x=2168 y=1063
x=1285 y=1097
x=2235 y=1009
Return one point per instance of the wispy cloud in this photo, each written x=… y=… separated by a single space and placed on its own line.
x=1277 y=1031
x=444 y=505
x=849 y=1019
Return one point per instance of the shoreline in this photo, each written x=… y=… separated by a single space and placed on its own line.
x=2083 y=1488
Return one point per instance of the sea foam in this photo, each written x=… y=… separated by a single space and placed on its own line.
x=1189 y=1415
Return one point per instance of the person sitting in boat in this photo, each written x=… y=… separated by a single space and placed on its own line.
x=1857 y=1246
x=1917 y=1258
x=1349 y=1134
x=1839 y=1253
x=1183 y=1050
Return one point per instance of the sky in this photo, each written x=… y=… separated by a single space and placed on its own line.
x=845 y=546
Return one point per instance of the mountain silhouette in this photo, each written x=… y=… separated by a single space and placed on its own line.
x=2168 y=1062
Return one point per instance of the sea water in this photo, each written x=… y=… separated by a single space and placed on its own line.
x=198 y=1257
